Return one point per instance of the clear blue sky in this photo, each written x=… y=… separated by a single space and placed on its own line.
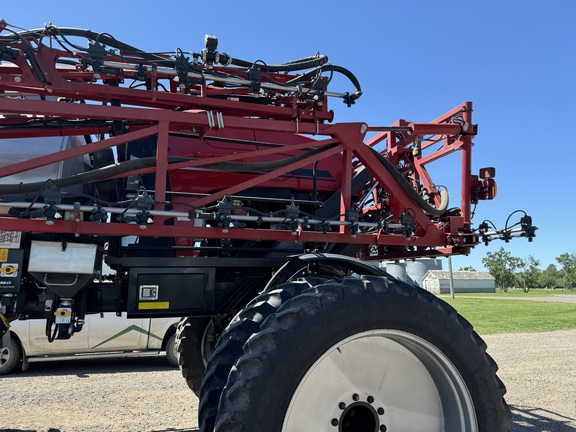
x=515 y=60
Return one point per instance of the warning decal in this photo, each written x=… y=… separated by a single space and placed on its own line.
x=9 y=270
x=10 y=239
x=10 y=264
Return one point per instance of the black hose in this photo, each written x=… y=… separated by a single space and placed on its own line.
x=136 y=164
x=105 y=38
x=82 y=178
x=423 y=204
x=333 y=68
x=310 y=62
x=89 y=34
x=294 y=65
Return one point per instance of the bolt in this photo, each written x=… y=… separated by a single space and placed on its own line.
x=380 y=411
x=370 y=399
x=355 y=397
x=342 y=405
x=383 y=428
x=334 y=422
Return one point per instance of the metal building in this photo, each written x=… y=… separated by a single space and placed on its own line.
x=438 y=282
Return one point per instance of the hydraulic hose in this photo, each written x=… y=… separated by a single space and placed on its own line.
x=316 y=63
x=105 y=38
x=332 y=68
x=91 y=35
x=147 y=162
x=423 y=204
x=294 y=65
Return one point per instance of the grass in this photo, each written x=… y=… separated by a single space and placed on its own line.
x=517 y=292
x=493 y=315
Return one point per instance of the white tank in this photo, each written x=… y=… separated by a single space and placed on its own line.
x=416 y=270
x=23 y=149
x=397 y=270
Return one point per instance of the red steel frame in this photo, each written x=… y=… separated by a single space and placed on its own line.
x=153 y=114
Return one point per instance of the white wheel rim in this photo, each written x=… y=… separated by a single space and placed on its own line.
x=381 y=380
x=208 y=342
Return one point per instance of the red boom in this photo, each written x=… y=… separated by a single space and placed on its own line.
x=209 y=141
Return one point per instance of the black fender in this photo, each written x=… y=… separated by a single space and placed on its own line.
x=298 y=263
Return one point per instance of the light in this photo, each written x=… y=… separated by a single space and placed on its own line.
x=487 y=173
x=494 y=189
x=484 y=189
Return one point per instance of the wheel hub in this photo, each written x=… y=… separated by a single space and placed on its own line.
x=4 y=355
x=359 y=416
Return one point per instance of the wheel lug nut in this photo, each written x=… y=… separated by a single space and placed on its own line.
x=383 y=428
x=334 y=422
x=380 y=411
x=370 y=399
x=342 y=405
x=355 y=397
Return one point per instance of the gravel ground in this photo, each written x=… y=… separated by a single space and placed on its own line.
x=145 y=394
x=540 y=375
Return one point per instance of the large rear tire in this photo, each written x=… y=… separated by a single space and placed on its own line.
x=230 y=345
x=364 y=355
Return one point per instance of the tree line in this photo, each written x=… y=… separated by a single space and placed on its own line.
x=510 y=271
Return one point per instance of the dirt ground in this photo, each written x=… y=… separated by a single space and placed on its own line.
x=146 y=394
x=540 y=375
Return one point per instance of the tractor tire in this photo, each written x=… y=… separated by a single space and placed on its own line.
x=11 y=356
x=362 y=355
x=230 y=344
x=171 y=353
x=193 y=346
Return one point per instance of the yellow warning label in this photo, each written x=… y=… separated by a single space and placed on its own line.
x=3 y=255
x=154 y=305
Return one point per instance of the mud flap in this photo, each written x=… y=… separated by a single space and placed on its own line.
x=4 y=330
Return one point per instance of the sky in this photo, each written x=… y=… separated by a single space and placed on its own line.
x=415 y=59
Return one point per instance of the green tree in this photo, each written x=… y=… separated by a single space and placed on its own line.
x=467 y=268
x=502 y=265
x=530 y=275
x=549 y=278
x=567 y=263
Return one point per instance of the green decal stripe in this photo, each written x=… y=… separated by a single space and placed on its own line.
x=155 y=337
x=127 y=330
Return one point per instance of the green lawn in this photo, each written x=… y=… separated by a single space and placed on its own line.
x=517 y=292
x=493 y=315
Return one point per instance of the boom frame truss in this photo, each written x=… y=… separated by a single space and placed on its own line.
x=199 y=109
